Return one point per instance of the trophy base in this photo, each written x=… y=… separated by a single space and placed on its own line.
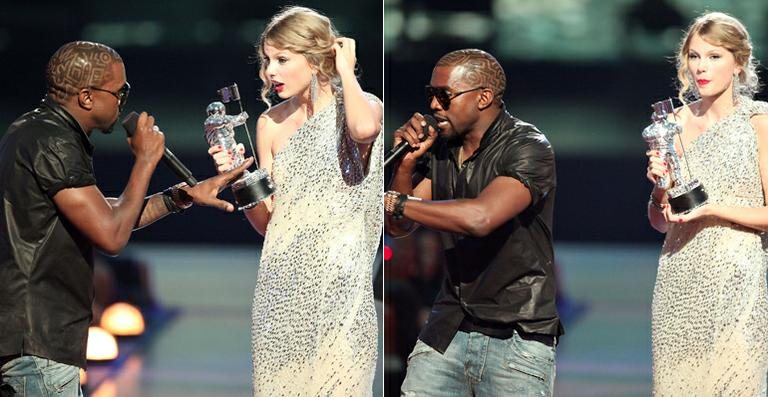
x=252 y=188
x=687 y=197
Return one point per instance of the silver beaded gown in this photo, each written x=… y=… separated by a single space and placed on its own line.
x=314 y=330
x=710 y=306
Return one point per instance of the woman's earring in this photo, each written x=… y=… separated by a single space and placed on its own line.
x=313 y=89
x=736 y=86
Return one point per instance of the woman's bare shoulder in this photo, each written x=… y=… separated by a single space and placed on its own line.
x=275 y=116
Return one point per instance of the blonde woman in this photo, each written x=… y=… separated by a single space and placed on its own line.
x=710 y=306
x=314 y=322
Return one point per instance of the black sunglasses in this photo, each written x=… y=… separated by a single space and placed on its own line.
x=121 y=94
x=442 y=95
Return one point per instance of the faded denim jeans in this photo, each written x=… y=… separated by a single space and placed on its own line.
x=478 y=365
x=31 y=376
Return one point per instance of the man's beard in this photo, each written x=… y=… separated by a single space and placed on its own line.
x=450 y=135
x=111 y=127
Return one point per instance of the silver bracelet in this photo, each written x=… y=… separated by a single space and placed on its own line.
x=655 y=204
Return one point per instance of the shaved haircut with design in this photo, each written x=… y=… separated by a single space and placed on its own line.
x=478 y=69
x=78 y=65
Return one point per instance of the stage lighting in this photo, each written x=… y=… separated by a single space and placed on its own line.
x=102 y=346
x=122 y=319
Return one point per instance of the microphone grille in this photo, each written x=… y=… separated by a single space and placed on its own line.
x=430 y=121
x=129 y=123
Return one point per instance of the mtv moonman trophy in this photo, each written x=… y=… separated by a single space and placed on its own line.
x=683 y=195
x=252 y=187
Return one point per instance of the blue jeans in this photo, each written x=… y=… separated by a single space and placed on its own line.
x=32 y=376
x=478 y=365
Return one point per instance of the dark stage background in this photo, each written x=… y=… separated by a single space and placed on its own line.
x=199 y=266
x=177 y=54
x=585 y=72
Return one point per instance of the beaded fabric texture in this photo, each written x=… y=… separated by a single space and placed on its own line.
x=710 y=306
x=314 y=329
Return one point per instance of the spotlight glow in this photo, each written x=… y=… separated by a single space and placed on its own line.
x=122 y=319
x=102 y=346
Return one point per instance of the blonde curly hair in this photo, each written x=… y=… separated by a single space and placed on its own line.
x=304 y=31
x=725 y=31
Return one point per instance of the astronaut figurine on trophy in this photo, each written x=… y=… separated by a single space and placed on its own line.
x=683 y=195
x=252 y=187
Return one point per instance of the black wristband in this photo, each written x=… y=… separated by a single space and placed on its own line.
x=170 y=196
x=168 y=201
x=399 y=209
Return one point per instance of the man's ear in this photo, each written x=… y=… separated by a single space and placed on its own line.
x=85 y=99
x=485 y=99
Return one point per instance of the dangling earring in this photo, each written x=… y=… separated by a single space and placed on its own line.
x=313 y=89
x=736 y=86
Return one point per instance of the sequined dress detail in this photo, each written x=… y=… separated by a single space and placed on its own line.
x=314 y=329
x=710 y=306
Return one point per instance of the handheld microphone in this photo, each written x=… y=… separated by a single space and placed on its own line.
x=129 y=123
x=399 y=150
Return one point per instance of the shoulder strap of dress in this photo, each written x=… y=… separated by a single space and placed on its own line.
x=755 y=107
x=761 y=107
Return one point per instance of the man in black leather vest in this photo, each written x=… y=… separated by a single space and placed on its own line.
x=488 y=185
x=52 y=215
